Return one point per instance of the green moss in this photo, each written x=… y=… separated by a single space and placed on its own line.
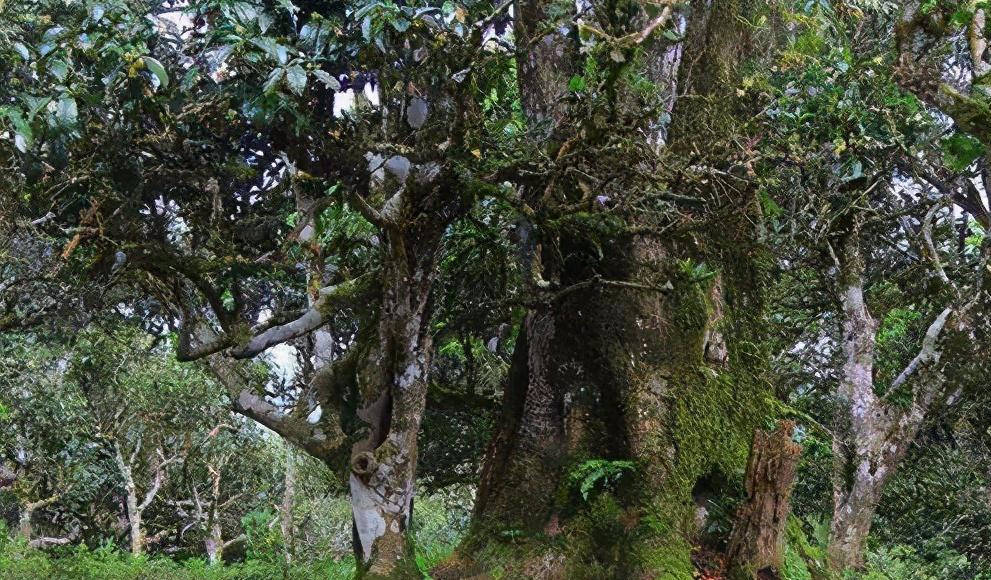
x=972 y=114
x=680 y=417
x=802 y=559
x=671 y=561
x=794 y=566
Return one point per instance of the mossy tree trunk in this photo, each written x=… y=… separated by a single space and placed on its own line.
x=641 y=354
x=392 y=390
x=360 y=414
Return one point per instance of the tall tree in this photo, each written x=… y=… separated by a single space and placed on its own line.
x=642 y=338
x=193 y=159
x=879 y=189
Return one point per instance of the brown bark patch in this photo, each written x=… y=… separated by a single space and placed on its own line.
x=756 y=545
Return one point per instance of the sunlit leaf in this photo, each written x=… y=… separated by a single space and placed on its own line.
x=296 y=79
x=156 y=68
x=327 y=79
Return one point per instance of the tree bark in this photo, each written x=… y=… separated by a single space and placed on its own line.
x=286 y=521
x=383 y=374
x=136 y=506
x=872 y=433
x=393 y=386
x=135 y=527
x=25 y=527
x=392 y=381
x=135 y=524
x=623 y=353
x=213 y=544
x=756 y=545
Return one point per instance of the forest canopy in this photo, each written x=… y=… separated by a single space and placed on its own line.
x=495 y=289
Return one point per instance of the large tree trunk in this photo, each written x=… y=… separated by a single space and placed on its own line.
x=630 y=356
x=383 y=374
x=756 y=546
x=858 y=444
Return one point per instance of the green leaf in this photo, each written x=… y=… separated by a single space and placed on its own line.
x=288 y=6
x=97 y=11
x=314 y=36
x=190 y=78
x=275 y=50
x=264 y=21
x=67 y=113
x=327 y=79
x=245 y=13
x=158 y=70
x=23 y=134
x=59 y=69
x=856 y=171
x=22 y=50
x=274 y=78
x=576 y=84
x=296 y=79
x=960 y=151
x=771 y=207
x=366 y=28
x=35 y=105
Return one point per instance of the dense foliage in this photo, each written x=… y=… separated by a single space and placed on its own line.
x=472 y=289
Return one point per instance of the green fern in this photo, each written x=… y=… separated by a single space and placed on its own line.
x=601 y=473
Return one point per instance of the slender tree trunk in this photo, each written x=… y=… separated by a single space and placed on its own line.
x=871 y=433
x=756 y=546
x=214 y=541
x=136 y=526
x=213 y=544
x=286 y=521
x=135 y=506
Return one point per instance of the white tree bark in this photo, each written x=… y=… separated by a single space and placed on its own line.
x=136 y=507
x=25 y=527
x=872 y=434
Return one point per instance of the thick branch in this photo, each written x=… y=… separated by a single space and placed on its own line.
x=47 y=542
x=268 y=334
x=928 y=353
x=322 y=439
